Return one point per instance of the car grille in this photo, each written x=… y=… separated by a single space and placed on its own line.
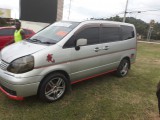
x=3 y=65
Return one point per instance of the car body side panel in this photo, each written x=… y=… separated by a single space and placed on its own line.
x=4 y=40
x=84 y=62
x=116 y=52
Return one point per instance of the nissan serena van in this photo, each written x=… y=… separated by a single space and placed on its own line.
x=65 y=53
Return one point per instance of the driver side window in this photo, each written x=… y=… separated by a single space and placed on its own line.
x=91 y=34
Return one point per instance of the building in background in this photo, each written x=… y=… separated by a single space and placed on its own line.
x=5 y=13
x=36 y=14
x=5 y=17
x=60 y=10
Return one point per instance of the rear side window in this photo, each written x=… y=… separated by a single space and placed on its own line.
x=6 y=32
x=127 y=32
x=91 y=34
x=110 y=34
x=27 y=32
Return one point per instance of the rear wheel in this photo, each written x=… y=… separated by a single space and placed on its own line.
x=123 y=68
x=53 y=87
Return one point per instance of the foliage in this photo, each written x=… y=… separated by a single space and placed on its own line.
x=156 y=31
x=2 y=22
x=141 y=26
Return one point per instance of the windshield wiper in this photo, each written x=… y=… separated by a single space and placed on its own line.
x=36 y=40
x=48 y=42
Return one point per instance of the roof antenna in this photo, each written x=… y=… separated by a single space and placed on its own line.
x=124 y=18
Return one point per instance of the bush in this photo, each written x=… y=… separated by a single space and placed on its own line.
x=2 y=22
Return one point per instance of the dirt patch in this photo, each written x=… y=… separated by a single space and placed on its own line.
x=153 y=116
x=156 y=61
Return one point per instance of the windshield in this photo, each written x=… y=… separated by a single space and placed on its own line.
x=53 y=33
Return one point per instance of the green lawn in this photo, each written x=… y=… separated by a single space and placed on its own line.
x=102 y=98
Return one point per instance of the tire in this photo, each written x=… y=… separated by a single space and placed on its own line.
x=123 y=68
x=53 y=87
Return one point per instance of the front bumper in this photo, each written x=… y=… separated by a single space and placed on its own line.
x=15 y=88
x=11 y=96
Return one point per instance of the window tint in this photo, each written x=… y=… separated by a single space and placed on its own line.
x=70 y=43
x=6 y=32
x=127 y=32
x=25 y=31
x=91 y=34
x=110 y=34
x=29 y=32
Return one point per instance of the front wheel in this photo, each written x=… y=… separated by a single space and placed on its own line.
x=123 y=68
x=53 y=87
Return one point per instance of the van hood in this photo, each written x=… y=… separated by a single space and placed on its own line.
x=20 y=49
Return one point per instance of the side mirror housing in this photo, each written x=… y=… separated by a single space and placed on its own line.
x=80 y=42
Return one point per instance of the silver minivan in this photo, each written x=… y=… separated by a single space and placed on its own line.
x=65 y=53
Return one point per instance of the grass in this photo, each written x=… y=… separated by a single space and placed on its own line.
x=102 y=98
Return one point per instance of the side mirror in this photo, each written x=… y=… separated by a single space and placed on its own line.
x=80 y=42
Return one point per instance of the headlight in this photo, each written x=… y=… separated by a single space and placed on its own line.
x=22 y=65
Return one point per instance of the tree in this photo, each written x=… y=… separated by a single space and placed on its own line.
x=2 y=22
x=141 y=26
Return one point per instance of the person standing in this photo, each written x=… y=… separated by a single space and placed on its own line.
x=19 y=33
x=158 y=96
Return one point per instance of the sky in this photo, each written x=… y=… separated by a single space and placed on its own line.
x=86 y=9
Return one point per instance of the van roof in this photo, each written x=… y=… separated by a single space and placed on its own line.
x=103 y=21
x=107 y=21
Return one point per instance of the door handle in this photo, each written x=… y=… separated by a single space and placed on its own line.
x=106 y=48
x=97 y=49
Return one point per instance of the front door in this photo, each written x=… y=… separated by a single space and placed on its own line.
x=85 y=61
